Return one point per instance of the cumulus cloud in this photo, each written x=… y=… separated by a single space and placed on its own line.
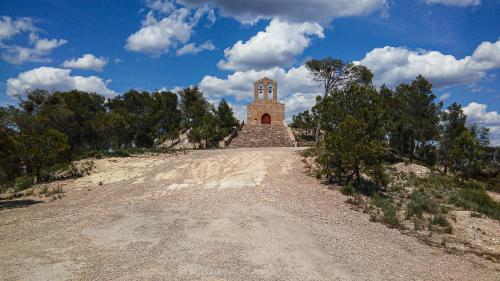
x=51 y=78
x=10 y=27
x=276 y=46
x=393 y=65
x=296 y=88
x=192 y=48
x=477 y=113
x=460 y=3
x=165 y=27
x=158 y=36
x=87 y=61
x=37 y=50
x=323 y=11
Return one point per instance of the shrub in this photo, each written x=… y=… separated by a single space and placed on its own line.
x=309 y=152
x=318 y=174
x=24 y=182
x=380 y=177
x=420 y=201
x=476 y=200
x=443 y=222
x=64 y=171
x=348 y=190
x=389 y=209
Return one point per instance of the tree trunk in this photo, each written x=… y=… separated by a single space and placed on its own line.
x=38 y=174
x=358 y=176
x=318 y=130
x=445 y=169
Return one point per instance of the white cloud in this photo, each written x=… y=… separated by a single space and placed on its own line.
x=161 y=6
x=460 y=3
x=240 y=111
x=157 y=37
x=296 y=88
x=444 y=96
x=276 y=46
x=476 y=113
x=393 y=65
x=192 y=48
x=39 y=48
x=9 y=27
x=159 y=33
x=240 y=83
x=87 y=61
x=486 y=56
x=323 y=11
x=38 y=53
x=50 y=78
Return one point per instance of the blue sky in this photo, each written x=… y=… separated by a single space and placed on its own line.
x=223 y=46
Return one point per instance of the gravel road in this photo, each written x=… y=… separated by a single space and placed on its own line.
x=235 y=214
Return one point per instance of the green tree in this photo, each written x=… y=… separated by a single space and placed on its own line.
x=166 y=114
x=452 y=127
x=225 y=115
x=9 y=159
x=334 y=74
x=43 y=148
x=303 y=120
x=193 y=106
x=194 y=135
x=352 y=119
x=464 y=156
x=414 y=118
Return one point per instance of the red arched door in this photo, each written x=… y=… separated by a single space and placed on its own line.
x=266 y=119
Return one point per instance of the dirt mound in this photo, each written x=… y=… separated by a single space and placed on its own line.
x=415 y=169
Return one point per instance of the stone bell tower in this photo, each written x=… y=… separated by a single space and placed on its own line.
x=265 y=108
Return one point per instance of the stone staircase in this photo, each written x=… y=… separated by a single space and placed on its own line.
x=262 y=135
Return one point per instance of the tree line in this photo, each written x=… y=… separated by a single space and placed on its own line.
x=362 y=127
x=46 y=129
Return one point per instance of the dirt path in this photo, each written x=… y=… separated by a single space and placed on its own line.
x=243 y=214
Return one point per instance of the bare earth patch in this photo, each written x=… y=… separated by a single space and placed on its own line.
x=235 y=214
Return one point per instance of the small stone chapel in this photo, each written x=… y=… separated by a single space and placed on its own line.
x=265 y=108
x=265 y=125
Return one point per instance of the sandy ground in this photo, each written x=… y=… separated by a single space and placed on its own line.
x=235 y=214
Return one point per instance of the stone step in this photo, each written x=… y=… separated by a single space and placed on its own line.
x=262 y=135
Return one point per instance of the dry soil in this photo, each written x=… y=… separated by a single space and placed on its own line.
x=235 y=214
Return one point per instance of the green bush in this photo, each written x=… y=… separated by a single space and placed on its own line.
x=309 y=152
x=61 y=171
x=420 y=202
x=380 y=177
x=24 y=182
x=389 y=210
x=441 y=221
x=348 y=190
x=476 y=200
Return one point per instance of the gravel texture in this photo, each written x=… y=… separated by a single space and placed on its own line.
x=234 y=214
